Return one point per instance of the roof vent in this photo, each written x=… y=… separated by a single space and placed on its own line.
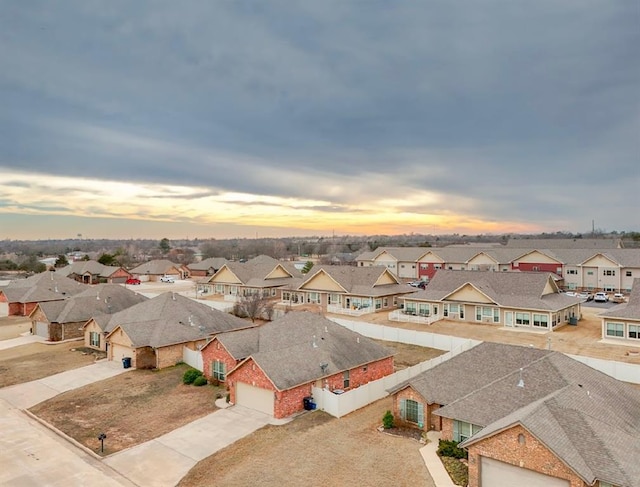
x=326 y=329
x=323 y=367
x=521 y=381
x=314 y=344
x=357 y=339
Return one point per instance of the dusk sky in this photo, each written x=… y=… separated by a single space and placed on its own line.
x=141 y=119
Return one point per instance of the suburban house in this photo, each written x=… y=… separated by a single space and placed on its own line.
x=621 y=324
x=528 y=417
x=93 y=272
x=347 y=290
x=64 y=320
x=272 y=368
x=23 y=295
x=154 y=333
x=580 y=263
x=207 y=267
x=155 y=269
x=263 y=275
x=512 y=299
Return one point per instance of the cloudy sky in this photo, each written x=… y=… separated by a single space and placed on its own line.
x=241 y=118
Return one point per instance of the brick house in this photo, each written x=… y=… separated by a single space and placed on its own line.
x=272 y=368
x=23 y=295
x=93 y=272
x=155 y=269
x=155 y=332
x=347 y=290
x=207 y=267
x=527 y=300
x=64 y=320
x=528 y=417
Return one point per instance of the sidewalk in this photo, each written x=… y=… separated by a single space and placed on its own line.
x=432 y=461
x=21 y=340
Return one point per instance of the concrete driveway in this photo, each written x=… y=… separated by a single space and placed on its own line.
x=165 y=460
x=18 y=341
x=24 y=396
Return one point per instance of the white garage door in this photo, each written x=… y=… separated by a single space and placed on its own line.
x=4 y=309
x=118 y=352
x=494 y=473
x=254 y=398
x=42 y=329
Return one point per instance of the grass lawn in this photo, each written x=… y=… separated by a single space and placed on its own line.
x=317 y=450
x=37 y=360
x=130 y=408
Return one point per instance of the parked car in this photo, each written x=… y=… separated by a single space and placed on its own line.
x=585 y=295
x=618 y=298
x=133 y=281
x=571 y=293
x=167 y=279
x=601 y=297
x=419 y=283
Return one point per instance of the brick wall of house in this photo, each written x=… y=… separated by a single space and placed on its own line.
x=144 y=358
x=249 y=373
x=529 y=453
x=169 y=356
x=360 y=375
x=291 y=401
x=215 y=351
x=27 y=308
x=72 y=330
x=15 y=309
x=430 y=422
x=446 y=433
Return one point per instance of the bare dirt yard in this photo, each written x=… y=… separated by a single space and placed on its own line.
x=408 y=355
x=317 y=450
x=130 y=408
x=37 y=360
x=13 y=326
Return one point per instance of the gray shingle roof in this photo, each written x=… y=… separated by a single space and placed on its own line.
x=95 y=300
x=171 y=318
x=358 y=281
x=524 y=290
x=210 y=263
x=291 y=349
x=155 y=267
x=46 y=286
x=588 y=419
x=88 y=267
x=628 y=310
x=254 y=272
x=565 y=243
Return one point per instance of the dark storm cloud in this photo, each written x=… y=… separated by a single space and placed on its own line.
x=514 y=112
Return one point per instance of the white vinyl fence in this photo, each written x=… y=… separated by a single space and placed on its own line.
x=618 y=370
x=193 y=358
x=340 y=404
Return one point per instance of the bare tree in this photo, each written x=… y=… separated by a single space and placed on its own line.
x=254 y=306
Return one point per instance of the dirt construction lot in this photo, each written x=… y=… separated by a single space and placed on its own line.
x=130 y=408
x=13 y=326
x=317 y=450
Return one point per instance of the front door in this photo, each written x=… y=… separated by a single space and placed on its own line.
x=508 y=318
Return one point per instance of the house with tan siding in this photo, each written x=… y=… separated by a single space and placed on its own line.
x=528 y=417
x=527 y=300
x=155 y=269
x=621 y=324
x=347 y=290
x=93 y=272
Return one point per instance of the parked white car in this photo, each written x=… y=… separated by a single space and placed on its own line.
x=601 y=297
x=618 y=298
x=167 y=279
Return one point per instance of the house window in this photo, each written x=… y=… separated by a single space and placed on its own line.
x=615 y=330
x=541 y=321
x=609 y=288
x=313 y=298
x=412 y=411
x=523 y=319
x=423 y=267
x=535 y=268
x=378 y=303
x=463 y=430
x=634 y=332
x=628 y=273
x=286 y=296
x=423 y=309
x=385 y=302
x=218 y=370
x=572 y=272
x=413 y=266
x=410 y=308
x=94 y=339
x=402 y=265
x=437 y=266
x=589 y=273
x=220 y=288
x=609 y=272
x=345 y=380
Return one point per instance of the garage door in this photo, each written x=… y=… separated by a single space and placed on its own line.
x=254 y=398
x=42 y=329
x=494 y=473
x=119 y=351
x=4 y=309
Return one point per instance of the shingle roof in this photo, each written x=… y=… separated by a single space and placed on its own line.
x=565 y=243
x=628 y=310
x=254 y=272
x=155 y=267
x=171 y=318
x=210 y=263
x=588 y=419
x=88 y=267
x=524 y=290
x=291 y=349
x=46 y=286
x=96 y=300
x=359 y=281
